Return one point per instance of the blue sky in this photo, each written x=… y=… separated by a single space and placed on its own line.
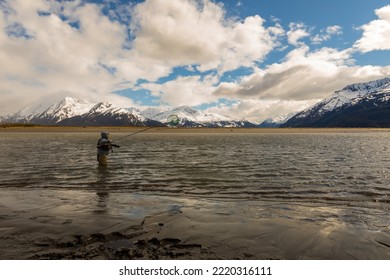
x=247 y=59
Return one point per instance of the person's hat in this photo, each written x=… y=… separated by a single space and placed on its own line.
x=104 y=134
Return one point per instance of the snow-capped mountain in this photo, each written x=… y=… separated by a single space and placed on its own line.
x=71 y=111
x=189 y=117
x=185 y=115
x=40 y=114
x=356 y=105
x=65 y=109
x=105 y=113
x=277 y=121
x=151 y=112
x=74 y=112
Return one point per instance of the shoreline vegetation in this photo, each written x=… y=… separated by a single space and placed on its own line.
x=130 y=129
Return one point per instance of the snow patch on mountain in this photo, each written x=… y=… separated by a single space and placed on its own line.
x=277 y=121
x=190 y=117
x=41 y=112
x=350 y=94
x=137 y=113
x=66 y=108
x=185 y=113
x=71 y=111
x=106 y=108
x=351 y=106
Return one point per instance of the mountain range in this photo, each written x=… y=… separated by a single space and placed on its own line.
x=357 y=105
x=189 y=117
x=74 y=112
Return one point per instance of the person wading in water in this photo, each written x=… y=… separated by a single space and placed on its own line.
x=104 y=146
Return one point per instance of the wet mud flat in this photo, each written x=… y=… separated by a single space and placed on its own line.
x=185 y=232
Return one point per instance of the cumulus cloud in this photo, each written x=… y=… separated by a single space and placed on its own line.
x=303 y=78
x=182 y=33
x=376 y=34
x=50 y=48
x=334 y=30
x=256 y=110
x=304 y=75
x=191 y=91
x=326 y=34
x=297 y=31
x=56 y=58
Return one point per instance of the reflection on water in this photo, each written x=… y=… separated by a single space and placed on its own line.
x=102 y=193
x=328 y=171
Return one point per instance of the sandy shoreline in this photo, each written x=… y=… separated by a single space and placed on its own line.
x=50 y=225
x=122 y=129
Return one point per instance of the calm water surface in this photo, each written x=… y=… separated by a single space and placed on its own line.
x=336 y=170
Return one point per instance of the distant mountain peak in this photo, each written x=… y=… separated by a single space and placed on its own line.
x=276 y=121
x=187 y=109
x=360 y=104
x=368 y=86
x=102 y=105
x=66 y=108
x=190 y=117
x=72 y=111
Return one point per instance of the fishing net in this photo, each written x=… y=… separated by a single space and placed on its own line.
x=173 y=120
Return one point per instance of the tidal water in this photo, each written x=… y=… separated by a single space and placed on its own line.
x=333 y=171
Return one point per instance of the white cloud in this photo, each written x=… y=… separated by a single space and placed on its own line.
x=191 y=91
x=304 y=75
x=334 y=30
x=326 y=34
x=376 y=34
x=182 y=33
x=59 y=58
x=50 y=49
x=256 y=110
x=297 y=31
x=302 y=79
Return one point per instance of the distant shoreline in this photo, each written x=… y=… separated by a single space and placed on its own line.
x=125 y=129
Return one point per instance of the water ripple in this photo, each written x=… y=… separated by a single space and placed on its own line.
x=305 y=168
